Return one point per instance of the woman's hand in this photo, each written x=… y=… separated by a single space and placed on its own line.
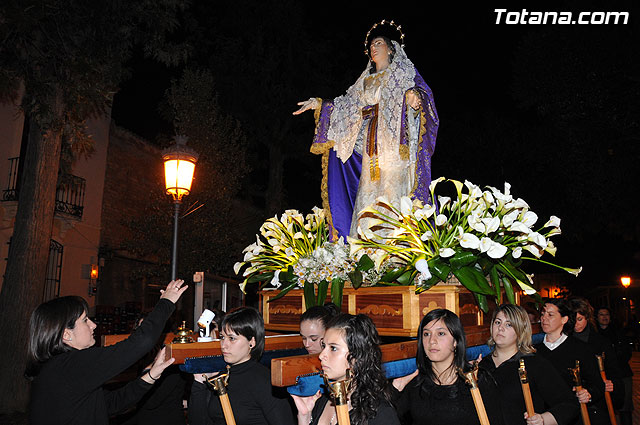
x=157 y=367
x=536 y=419
x=401 y=382
x=583 y=395
x=201 y=377
x=174 y=290
x=608 y=385
x=413 y=99
x=305 y=105
x=305 y=406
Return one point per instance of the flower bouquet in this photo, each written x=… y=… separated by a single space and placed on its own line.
x=295 y=252
x=482 y=237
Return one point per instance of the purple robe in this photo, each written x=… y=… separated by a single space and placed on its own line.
x=340 y=180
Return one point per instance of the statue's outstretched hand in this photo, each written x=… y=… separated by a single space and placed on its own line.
x=305 y=105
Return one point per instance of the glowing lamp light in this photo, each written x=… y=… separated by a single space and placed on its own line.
x=94 y=271
x=179 y=166
x=626 y=281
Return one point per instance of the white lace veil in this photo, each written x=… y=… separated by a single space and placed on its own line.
x=346 y=118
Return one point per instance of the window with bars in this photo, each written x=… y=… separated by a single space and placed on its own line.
x=54 y=271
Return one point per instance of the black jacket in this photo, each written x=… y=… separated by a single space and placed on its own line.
x=548 y=391
x=68 y=389
x=250 y=394
x=563 y=358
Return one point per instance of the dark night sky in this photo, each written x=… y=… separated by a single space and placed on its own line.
x=487 y=135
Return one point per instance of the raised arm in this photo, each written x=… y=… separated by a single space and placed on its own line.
x=305 y=105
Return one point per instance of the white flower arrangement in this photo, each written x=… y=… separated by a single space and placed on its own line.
x=479 y=234
x=295 y=252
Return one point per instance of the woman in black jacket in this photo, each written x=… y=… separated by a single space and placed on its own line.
x=438 y=394
x=553 y=401
x=562 y=350
x=249 y=384
x=351 y=342
x=68 y=372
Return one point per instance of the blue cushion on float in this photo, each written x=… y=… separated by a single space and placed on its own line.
x=209 y=364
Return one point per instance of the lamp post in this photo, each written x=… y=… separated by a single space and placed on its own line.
x=626 y=281
x=179 y=165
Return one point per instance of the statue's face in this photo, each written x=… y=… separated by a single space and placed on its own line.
x=380 y=52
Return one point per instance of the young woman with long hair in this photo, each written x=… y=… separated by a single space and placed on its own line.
x=438 y=394
x=351 y=342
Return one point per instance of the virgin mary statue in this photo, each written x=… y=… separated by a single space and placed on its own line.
x=377 y=139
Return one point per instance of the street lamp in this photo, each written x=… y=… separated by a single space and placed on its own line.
x=179 y=165
x=626 y=281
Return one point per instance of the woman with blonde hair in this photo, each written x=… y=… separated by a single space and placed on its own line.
x=510 y=341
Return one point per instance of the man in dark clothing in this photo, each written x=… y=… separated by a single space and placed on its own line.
x=623 y=350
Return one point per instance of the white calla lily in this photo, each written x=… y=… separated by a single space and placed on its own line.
x=537 y=252
x=528 y=289
x=275 y=280
x=518 y=226
x=443 y=201
x=529 y=218
x=554 y=232
x=423 y=268
x=574 y=272
x=551 y=248
x=406 y=205
x=553 y=222
x=426 y=236
x=434 y=183
x=509 y=218
x=446 y=252
x=441 y=219
x=517 y=252
x=496 y=250
x=469 y=240
x=485 y=244
x=538 y=239
x=491 y=224
x=237 y=267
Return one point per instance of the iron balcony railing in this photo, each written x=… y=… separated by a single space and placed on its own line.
x=11 y=192
x=69 y=194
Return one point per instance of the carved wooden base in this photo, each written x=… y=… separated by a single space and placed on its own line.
x=396 y=310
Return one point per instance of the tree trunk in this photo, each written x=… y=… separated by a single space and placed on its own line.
x=275 y=184
x=23 y=285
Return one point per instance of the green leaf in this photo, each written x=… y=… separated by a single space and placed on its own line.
x=260 y=277
x=508 y=290
x=356 y=278
x=283 y=292
x=473 y=280
x=517 y=273
x=427 y=284
x=336 y=291
x=407 y=277
x=392 y=275
x=365 y=263
x=462 y=258
x=495 y=281
x=288 y=276
x=439 y=268
x=322 y=292
x=482 y=302
x=309 y=294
